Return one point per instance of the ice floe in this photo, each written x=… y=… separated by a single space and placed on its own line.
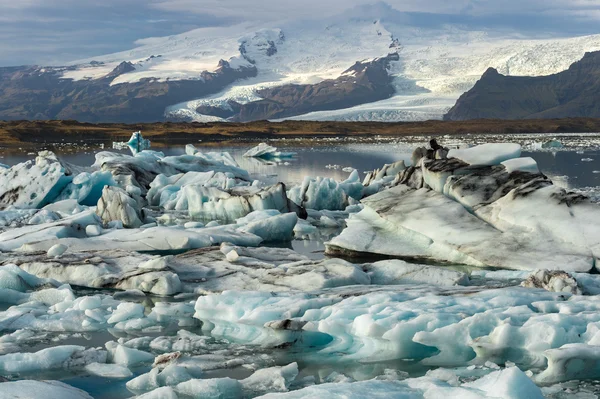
x=175 y=277
x=268 y=152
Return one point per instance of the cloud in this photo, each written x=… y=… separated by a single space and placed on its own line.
x=55 y=31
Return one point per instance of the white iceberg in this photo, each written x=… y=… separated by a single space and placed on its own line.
x=30 y=389
x=268 y=152
x=487 y=154
x=138 y=143
x=326 y=193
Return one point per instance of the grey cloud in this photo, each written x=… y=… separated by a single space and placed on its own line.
x=55 y=31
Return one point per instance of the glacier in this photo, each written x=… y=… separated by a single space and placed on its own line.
x=437 y=63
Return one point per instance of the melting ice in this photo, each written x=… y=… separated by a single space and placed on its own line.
x=460 y=273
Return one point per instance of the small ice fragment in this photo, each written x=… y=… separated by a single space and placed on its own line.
x=57 y=250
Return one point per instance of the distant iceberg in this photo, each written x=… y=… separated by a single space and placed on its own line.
x=137 y=143
x=266 y=151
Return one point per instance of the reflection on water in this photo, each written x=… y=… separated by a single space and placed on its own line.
x=579 y=163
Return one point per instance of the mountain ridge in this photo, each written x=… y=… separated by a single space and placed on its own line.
x=259 y=70
x=570 y=93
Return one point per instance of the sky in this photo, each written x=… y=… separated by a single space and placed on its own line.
x=51 y=32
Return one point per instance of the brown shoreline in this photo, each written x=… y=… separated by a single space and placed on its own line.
x=33 y=133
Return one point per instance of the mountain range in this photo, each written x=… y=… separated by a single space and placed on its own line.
x=367 y=63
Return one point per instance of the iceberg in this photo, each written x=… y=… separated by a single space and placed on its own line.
x=210 y=203
x=30 y=389
x=487 y=154
x=479 y=216
x=326 y=193
x=267 y=152
x=116 y=205
x=137 y=143
x=33 y=184
x=57 y=357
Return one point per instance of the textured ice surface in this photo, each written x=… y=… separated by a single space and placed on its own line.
x=526 y=164
x=511 y=383
x=116 y=205
x=326 y=193
x=375 y=324
x=33 y=184
x=30 y=389
x=210 y=203
x=482 y=216
x=164 y=189
x=58 y=357
x=487 y=154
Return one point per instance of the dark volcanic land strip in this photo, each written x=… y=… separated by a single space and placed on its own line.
x=33 y=133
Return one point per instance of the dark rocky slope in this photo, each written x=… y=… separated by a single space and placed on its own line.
x=364 y=82
x=34 y=92
x=571 y=93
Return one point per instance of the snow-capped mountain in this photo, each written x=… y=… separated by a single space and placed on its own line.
x=299 y=71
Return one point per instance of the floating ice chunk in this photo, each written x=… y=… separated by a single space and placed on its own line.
x=126 y=311
x=164 y=189
x=257 y=216
x=510 y=383
x=389 y=272
x=108 y=370
x=510 y=232
x=304 y=228
x=266 y=151
x=388 y=171
x=159 y=393
x=273 y=229
x=125 y=356
x=487 y=154
x=68 y=227
x=171 y=375
x=93 y=230
x=193 y=225
x=326 y=193
x=57 y=357
x=153 y=239
x=137 y=143
x=552 y=280
x=571 y=362
x=29 y=389
x=57 y=250
x=105 y=269
x=525 y=164
x=44 y=216
x=215 y=388
x=552 y=144
x=66 y=207
x=587 y=159
x=15 y=278
x=33 y=185
x=116 y=205
x=355 y=390
x=274 y=379
x=209 y=203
